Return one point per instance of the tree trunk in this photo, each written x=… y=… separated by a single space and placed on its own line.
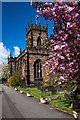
x=76 y=100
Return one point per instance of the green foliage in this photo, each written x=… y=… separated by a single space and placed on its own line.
x=16 y=79
x=34 y=92
x=20 y=89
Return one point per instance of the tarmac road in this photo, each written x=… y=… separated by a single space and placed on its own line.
x=0 y=101
x=16 y=105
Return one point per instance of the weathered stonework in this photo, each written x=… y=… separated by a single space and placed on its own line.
x=30 y=61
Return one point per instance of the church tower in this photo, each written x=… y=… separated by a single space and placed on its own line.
x=36 y=35
x=37 y=50
x=31 y=59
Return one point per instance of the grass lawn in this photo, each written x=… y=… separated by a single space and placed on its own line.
x=20 y=89
x=63 y=104
x=36 y=93
x=60 y=103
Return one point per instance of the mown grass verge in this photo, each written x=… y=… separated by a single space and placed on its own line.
x=60 y=103
x=20 y=89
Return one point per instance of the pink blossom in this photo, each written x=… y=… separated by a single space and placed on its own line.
x=38 y=11
x=68 y=24
x=50 y=56
x=56 y=47
x=47 y=74
x=75 y=3
x=56 y=64
x=65 y=44
x=44 y=65
x=63 y=68
x=52 y=41
x=53 y=67
x=60 y=7
x=55 y=80
x=66 y=35
x=53 y=13
x=51 y=72
x=44 y=11
x=46 y=3
x=74 y=81
x=59 y=83
x=76 y=15
x=53 y=8
x=50 y=3
x=70 y=32
x=70 y=9
x=49 y=63
x=71 y=64
x=60 y=32
x=62 y=78
x=53 y=58
x=63 y=81
x=56 y=4
x=62 y=57
x=63 y=39
x=61 y=2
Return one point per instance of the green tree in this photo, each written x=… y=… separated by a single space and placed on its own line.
x=18 y=79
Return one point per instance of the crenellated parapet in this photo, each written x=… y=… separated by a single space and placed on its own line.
x=35 y=27
x=11 y=59
x=35 y=33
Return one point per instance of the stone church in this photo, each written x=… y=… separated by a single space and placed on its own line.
x=31 y=59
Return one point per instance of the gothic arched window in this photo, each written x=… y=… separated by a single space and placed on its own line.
x=17 y=65
x=14 y=67
x=39 y=41
x=11 y=69
x=37 y=69
x=21 y=64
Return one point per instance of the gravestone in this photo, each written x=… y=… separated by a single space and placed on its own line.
x=52 y=89
x=68 y=95
x=42 y=88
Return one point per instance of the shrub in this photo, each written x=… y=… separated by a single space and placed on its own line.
x=16 y=79
x=10 y=81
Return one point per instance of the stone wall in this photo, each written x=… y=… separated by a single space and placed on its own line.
x=32 y=59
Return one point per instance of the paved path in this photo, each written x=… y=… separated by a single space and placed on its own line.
x=0 y=103
x=16 y=105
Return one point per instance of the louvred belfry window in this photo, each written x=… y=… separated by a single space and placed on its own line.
x=39 y=41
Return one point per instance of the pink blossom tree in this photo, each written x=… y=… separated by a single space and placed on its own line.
x=64 y=63
x=65 y=42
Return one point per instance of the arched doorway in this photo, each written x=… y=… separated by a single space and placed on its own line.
x=37 y=70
